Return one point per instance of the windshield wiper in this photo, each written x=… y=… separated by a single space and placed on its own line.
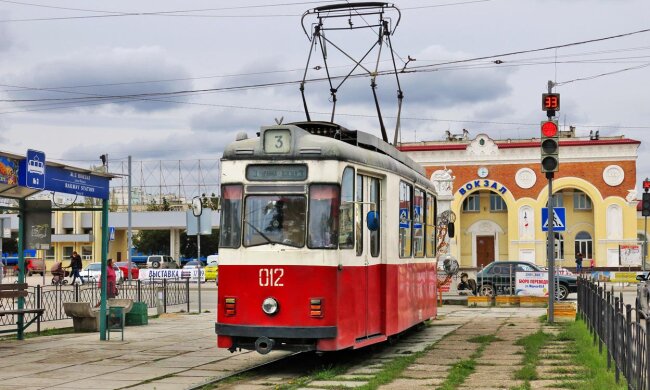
x=268 y=240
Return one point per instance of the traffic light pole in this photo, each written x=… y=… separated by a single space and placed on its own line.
x=550 y=250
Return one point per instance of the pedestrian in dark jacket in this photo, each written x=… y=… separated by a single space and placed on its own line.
x=76 y=264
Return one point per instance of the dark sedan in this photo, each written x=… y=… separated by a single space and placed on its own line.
x=499 y=278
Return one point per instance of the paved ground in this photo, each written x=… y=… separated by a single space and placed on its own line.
x=178 y=351
x=172 y=352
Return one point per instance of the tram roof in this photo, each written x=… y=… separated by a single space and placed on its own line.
x=327 y=140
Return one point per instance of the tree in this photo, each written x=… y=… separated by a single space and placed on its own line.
x=209 y=244
x=152 y=241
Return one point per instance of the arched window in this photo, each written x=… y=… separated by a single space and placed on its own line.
x=559 y=246
x=584 y=245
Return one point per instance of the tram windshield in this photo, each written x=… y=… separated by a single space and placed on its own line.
x=275 y=219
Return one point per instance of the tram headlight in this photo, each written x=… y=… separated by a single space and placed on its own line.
x=270 y=306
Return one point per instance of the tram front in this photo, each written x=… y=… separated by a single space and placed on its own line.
x=280 y=205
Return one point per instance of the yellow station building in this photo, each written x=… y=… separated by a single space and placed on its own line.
x=498 y=194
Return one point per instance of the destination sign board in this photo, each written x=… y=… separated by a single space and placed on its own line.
x=276 y=172
x=76 y=183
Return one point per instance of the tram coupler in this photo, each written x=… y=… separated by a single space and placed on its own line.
x=264 y=345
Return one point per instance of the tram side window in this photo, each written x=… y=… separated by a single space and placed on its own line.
x=418 y=227
x=323 y=216
x=404 y=219
x=346 y=221
x=358 y=214
x=231 y=202
x=374 y=235
x=430 y=220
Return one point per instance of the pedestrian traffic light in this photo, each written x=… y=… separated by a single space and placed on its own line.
x=550 y=147
x=645 y=204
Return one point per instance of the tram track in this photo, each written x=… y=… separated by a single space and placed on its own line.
x=247 y=370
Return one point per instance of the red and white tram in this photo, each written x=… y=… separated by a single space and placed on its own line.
x=327 y=240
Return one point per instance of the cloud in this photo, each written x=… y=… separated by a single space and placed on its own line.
x=117 y=65
x=442 y=88
x=6 y=40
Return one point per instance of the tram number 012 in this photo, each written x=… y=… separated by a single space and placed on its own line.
x=271 y=277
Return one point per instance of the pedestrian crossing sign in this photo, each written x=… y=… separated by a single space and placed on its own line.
x=559 y=219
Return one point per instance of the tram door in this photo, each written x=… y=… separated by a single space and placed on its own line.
x=368 y=197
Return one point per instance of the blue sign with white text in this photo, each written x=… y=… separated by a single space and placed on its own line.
x=76 y=183
x=35 y=170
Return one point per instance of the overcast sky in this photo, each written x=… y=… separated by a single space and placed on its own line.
x=81 y=46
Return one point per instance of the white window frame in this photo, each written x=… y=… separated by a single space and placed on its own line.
x=581 y=201
x=475 y=200
x=497 y=200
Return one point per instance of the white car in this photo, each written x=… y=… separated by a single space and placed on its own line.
x=93 y=272
x=186 y=272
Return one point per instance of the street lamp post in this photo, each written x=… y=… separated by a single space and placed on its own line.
x=646 y=187
x=197 y=210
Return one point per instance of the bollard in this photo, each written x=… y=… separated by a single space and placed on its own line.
x=159 y=300
x=139 y=290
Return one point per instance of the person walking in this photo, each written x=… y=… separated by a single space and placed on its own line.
x=579 y=258
x=76 y=264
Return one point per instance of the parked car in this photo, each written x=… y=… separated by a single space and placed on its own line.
x=93 y=273
x=34 y=266
x=643 y=293
x=124 y=267
x=212 y=272
x=160 y=261
x=499 y=278
x=190 y=265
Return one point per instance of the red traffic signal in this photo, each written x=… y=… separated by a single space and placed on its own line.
x=646 y=184
x=549 y=129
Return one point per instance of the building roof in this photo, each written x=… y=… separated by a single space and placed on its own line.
x=512 y=143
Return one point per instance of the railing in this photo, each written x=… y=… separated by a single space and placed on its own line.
x=620 y=329
x=167 y=292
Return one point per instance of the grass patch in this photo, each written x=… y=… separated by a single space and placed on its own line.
x=595 y=375
x=46 y=332
x=458 y=373
x=532 y=345
x=484 y=339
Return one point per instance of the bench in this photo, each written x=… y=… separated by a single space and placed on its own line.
x=85 y=318
x=14 y=291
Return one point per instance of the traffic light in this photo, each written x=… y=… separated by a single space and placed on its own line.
x=550 y=146
x=645 y=205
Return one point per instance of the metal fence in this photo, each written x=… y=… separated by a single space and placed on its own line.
x=166 y=292
x=620 y=328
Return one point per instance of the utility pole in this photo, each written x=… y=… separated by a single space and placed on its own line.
x=550 y=144
x=197 y=210
x=645 y=211
x=129 y=234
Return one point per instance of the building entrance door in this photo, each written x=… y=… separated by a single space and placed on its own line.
x=484 y=250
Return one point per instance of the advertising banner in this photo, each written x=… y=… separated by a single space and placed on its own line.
x=38 y=224
x=8 y=171
x=159 y=274
x=631 y=255
x=532 y=284
x=615 y=276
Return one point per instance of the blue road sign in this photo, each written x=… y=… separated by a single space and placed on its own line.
x=77 y=183
x=404 y=218
x=35 y=170
x=559 y=219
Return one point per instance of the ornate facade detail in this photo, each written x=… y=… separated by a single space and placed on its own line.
x=525 y=178
x=526 y=223
x=482 y=145
x=613 y=175
x=443 y=182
